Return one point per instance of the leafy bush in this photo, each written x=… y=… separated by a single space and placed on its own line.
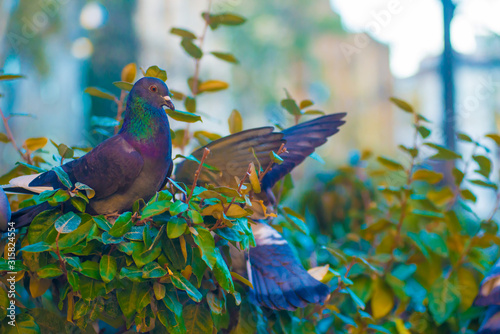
x=401 y=248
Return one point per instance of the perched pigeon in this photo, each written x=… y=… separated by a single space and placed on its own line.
x=489 y=295
x=279 y=280
x=4 y=211
x=133 y=164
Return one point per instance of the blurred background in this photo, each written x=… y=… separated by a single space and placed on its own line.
x=345 y=55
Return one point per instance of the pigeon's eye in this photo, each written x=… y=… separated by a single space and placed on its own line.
x=153 y=88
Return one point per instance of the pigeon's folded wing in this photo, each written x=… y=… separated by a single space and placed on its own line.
x=110 y=167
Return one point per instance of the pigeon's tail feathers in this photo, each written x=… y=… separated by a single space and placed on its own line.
x=279 y=281
x=23 y=185
x=24 y=217
x=489 y=292
x=491 y=322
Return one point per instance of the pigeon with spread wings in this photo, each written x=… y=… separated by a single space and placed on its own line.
x=279 y=280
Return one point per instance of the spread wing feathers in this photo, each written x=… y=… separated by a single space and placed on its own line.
x=21 y=185
x=301 y=141
x=278 y=278
x=110 y=167
x=231 y=156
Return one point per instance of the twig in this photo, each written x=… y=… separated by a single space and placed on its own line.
x=120 y=109
x=206 y=151
x=61 y=260
x=271 y=163
x=10 y=135
x=226 y=209
x=196 y=76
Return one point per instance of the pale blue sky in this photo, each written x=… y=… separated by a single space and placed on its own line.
x=413 y=28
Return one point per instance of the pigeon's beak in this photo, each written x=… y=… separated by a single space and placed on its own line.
x=169 y=103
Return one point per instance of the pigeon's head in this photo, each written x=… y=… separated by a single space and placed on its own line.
x=154 y=91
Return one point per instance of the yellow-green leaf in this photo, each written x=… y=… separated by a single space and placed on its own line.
x=192 y=49
x=254 y=179
x=403 y=105
x=129 y=72
x=390 y=164
x=226 y=57
x=429 y=176
x=183 y=33
x=382 y=300
x=212 y=86
x=235 y=122
x=183 y=116
x=156 y=72
x=126 y=86
x=99 y=92
x=34 y=144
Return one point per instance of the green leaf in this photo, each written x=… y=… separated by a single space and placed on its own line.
x=442 y=152
x=235 y=122
x=275 y=158
x=314 y=112
x=443 y=300
x=183 y=33
x=99 y=92
x=49 y=271
x=73 y=238
x=107 y=268
x=176 y=227
x=91 y=288
x=197 y=319
x=206 y=244
x=403 y=105
x=226 y=57
x=423 y=131
x=291 y=106
x=390 y=164
x=195 y=216
x=178 y=207
x=155 y=208
x=435 y=242
x=212 y=86
x=356 y=299
x=153 y=270
x=171 y=301
x=4 y=138
x=123 y=85
x=464 y=137
x=37 y=248
x=495 y=137
x=484 y=184
x=25 y=323
x=63 y=177
x=306 y=103
x=102 y=222
x=122 y=225
x=192 y=49
x=91 y=269
x=156 y=72
x=222 y=273
x=183 y=116
x=228 y=19
x=132 y=273
x=428 y=176
x=68 y=222
x=131 y=298
x=484 y=164
x=180 y=282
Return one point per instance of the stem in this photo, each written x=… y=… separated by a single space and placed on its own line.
x=120 y=109
x=61 y=261
x=10 y=135
x=196 y=76
x=271 y=164
x=226 y=209
x=206 y=151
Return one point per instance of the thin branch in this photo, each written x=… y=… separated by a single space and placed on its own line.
x=271 y=164
x=206 y=151
x=11 y=136
x=196 y=76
